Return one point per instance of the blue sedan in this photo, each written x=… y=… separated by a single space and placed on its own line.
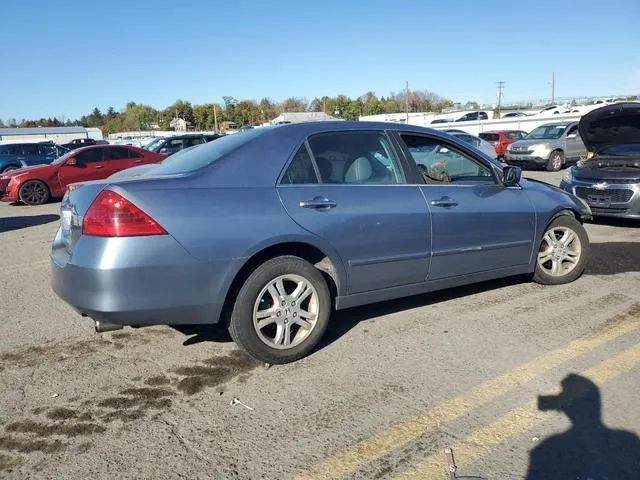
x=271 y=229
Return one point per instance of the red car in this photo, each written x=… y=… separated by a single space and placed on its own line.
x=36 y=185
x=501 y=139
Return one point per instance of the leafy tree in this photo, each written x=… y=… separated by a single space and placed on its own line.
x=268 y=110
x=293 y=104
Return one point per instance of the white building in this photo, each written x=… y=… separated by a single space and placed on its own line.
x=44 y=134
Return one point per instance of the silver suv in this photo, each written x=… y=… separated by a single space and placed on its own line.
x=551 y=146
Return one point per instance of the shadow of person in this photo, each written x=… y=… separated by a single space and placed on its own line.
x=588 y=450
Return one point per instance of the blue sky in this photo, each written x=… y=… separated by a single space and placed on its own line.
x=64 y=58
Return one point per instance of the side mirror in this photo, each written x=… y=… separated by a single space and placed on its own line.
x=511 y=175
x=72 y=162
x=572 y=135
x=163 y=150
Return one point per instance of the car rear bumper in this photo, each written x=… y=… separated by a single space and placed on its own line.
x=613 y=208
x=138 y=281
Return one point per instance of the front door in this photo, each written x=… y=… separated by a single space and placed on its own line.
x=90 y=165
x=574 y=145
x=477 y=224
x=362 y=206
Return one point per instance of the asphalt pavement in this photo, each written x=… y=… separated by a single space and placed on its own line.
x=391 y=387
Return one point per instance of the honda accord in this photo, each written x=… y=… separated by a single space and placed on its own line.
x=271 y=229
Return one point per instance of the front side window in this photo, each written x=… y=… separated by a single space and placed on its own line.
x=572 y=131
x=30 y=150
x=441 y=163
x=357 y=158
x=300 y=170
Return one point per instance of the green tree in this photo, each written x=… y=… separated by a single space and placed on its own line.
x=293 y=104
x=268 y=110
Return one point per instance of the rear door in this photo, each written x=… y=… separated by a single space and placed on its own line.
x=90 y=165
x=477 y=224
x=117 y=159
x=350 y=189
x=31 y=154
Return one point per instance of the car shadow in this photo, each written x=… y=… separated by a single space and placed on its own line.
x=344 y=320
x=589 y=449
x=616 y=222
x=8 y=224
x=611 y=258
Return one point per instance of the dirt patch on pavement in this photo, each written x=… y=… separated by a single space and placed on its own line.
x=217 y=370
x=63 y=429
x=62 y=414
x=158 y=381
x=7 y=462
x=9 y=443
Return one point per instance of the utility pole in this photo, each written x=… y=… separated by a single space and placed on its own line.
x=553 y=88
x=215 y=118
x=500 y=90
x=406 y=102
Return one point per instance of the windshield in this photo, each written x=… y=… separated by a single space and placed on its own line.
x=546 y=132
x=153 y=144
x=206 y=153
x=63 y=157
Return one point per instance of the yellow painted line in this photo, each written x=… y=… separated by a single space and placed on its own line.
x=514 y=423
x=400 y=434
x=24 y=266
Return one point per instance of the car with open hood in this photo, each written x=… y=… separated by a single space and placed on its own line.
x=269 y=230
x=609 y=179
x=38 y=184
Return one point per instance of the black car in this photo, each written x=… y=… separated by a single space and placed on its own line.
x=609 y=180
x=175 y=143
x=83 y=142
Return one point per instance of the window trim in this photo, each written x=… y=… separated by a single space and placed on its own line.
x=449 y=144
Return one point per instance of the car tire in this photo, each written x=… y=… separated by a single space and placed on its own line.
x=562 y=253
x=9 y=168
x=265 y=318
x=556 y=161
x=34 y=192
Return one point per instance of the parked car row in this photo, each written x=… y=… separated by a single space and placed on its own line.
x=38 y=184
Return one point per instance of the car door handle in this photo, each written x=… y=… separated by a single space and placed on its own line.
x=318 y=203
x=138 y=161
x=99 y=166
x=444 y=202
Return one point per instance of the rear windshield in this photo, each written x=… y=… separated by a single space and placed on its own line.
x=207 y=153
x=489 y=137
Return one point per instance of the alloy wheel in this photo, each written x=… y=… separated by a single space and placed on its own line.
x=34 y=193
x=286 y=311
x=560 y=251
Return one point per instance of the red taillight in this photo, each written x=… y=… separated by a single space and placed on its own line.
x=112 y=215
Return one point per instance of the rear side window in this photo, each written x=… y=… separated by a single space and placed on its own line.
x=30 y=150
x=514 y=135
x=134 y=154
x=489 y=137
x=300 y=170
x=208 y=153
x=116 y=153
x=90 y=156
x=360 y=158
